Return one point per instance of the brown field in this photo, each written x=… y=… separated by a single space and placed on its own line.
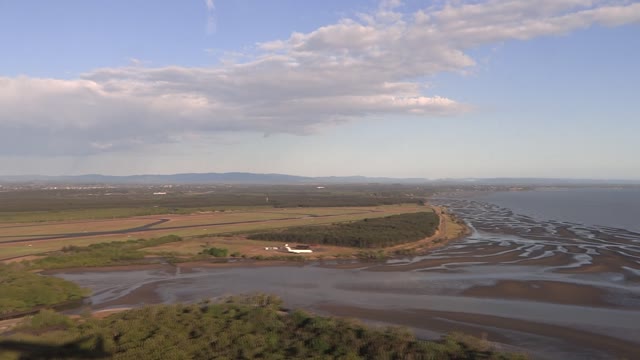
x=199 y=224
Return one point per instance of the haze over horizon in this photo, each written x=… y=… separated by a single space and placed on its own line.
x=428 y=89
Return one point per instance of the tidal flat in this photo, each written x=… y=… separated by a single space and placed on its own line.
x=552 y=288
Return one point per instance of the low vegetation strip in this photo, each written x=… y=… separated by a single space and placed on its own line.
x=252 y=327
x=367 y=233
x=22 y=290
x=101 y=254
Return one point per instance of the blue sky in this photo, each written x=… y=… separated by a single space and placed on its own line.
x=403 y=89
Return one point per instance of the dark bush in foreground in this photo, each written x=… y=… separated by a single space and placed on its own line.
x=245 y=328
x=367 y=233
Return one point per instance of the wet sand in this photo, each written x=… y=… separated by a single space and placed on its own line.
x=498 y=329
x=560 y=318
x=192 y=266
x=545 y=291
x=132 y=267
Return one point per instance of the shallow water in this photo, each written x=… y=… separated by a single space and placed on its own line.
x=601 y=261
x=613 y=207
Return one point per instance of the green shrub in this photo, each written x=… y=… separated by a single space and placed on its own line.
x=49 y=319
x=216 y=252
x=21 y=290
x=101 y=254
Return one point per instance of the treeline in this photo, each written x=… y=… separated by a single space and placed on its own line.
x=179 y=198
x=101 y=254
x=21 y=290
x=367 y=233
x=239 y=328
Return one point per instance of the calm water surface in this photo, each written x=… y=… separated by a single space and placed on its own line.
x=619 y=208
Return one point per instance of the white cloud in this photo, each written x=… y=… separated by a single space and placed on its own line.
x=211 y=16
x=353 y=69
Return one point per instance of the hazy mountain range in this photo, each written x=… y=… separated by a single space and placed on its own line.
x=253 y=178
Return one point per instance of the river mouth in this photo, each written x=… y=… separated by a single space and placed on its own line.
x=575 y=287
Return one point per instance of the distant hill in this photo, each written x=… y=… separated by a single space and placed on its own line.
x=204 y=178
x=268 y=179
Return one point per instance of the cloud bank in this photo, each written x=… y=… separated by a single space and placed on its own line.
x=369 y=65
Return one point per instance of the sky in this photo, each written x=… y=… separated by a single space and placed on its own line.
x=432 y=89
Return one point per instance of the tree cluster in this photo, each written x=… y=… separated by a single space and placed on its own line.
x=101 y=254
x=367 y=233
x=22 y=290
x=251 y=327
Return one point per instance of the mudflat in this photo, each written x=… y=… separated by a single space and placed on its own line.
x=494 y=328
x=554 y=288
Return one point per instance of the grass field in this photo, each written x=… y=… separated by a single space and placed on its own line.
x=200 y=224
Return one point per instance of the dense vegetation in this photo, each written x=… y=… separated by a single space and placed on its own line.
x=101 y=254
x=240 y=328
x=22 y=290
x=34 y=204
x=215 y=252
x=367 y=233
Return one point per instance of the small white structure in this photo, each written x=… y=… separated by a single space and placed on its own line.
x=160 y=193
x=297 y=251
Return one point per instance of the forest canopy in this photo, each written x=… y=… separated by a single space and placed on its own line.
x=367 y=233
x=246 y=327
